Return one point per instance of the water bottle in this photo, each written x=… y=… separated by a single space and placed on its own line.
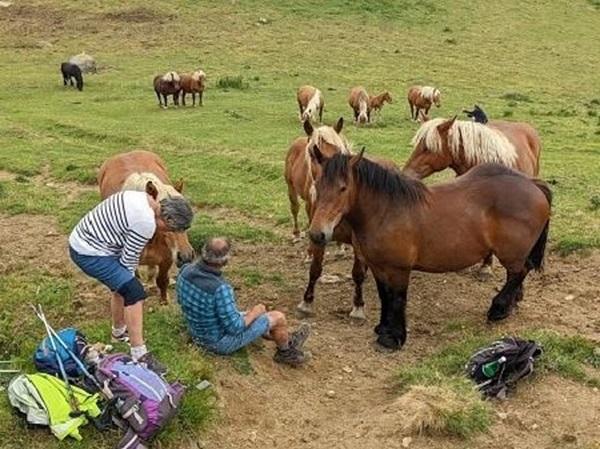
x=490 y=369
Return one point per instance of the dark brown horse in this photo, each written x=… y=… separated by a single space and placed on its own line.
x=300 y=175
x=134 y=171
x=165 y=85
x=400 y=225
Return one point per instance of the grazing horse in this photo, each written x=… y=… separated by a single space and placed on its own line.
x=359 y=102
x=376 y=102
x=478 y=115
x=423 y=97
x=165 y=85
x=300 y=175
x=143 y=170
x=400 y=225
x=310 y=102
x=71 y=71
x=193 y=83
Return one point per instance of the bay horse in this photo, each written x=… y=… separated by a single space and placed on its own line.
x=310 y=101
x=400 y=225
x=358 y=99
x=165 y=85
x=461 y=145
x=300 y=175
x=71 y=71
x=146 y=171
x=193 y=83
x=423 y=97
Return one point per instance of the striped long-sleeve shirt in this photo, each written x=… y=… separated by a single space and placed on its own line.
x=121 y=225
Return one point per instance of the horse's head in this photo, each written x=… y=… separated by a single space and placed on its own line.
x=437 y=97
x=431 y=150
x=387 y=97
x=335 y=193
x=172 y=78
x=327 y=139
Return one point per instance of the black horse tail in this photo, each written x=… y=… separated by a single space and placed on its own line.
x=535 y=259
x=79 y=79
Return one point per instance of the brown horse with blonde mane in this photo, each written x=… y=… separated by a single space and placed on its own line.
x=145 y=171
x=421 y=98
x=400 y=225
x=358 y=99
x=311 y=103
x=376 y=102
x=301 y=174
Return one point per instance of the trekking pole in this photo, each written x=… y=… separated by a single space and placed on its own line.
x=107 y=393
x=72 y=399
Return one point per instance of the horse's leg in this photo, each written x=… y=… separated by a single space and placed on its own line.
x=504 y=301
x=64 y=80
x=355 y=116
x=159 y=100
x=162 y=279
x=316 y=268
x=176 y=98
x=194 y=99
x=301 y=110
x=200 y=98
x=165 y=101
x=71 y=80
x=183 y=98
x=321 y=114
x=359 y=271
x=412 y=110
x=294 y=208
x=485 y=270
x=383 y=293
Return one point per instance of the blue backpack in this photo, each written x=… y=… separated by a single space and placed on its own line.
x=45 y=359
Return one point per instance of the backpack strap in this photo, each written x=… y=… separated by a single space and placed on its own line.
x=131 y=441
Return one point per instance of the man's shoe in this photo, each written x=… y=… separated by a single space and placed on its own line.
x=123 y=338
x=299 y=336
x=151 y=363
x=290 y=356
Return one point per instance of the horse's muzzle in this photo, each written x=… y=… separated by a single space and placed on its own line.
x=318 y=238
x=184 y=257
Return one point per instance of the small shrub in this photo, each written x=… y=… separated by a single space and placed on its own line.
x=595 y=202
x=567 y=246
x=450 y=41
x=516 y=96
x=22 y=179
x=232 y=82
x=447 y=29
x=507 y=113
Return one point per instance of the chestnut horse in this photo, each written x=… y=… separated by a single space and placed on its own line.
x=193 y=83
x=359 y=102
x=376 y=102
x=422 y=98
x=310 y=102
x=400 y=225
x=143 y=170
x=300 y=175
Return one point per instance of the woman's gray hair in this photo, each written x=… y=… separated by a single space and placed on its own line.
x=177 y=213
x=216 y=251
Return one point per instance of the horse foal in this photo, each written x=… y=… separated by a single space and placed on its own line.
x=193 y=83
x=423 y=97
x=70 y=71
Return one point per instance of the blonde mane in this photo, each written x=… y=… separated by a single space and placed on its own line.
x=198 y=74
x=171 y=77
x=314 y=102
x=479 y=143
x=138 y=181
x=429 y=92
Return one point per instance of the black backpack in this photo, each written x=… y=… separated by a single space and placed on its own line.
x=497 y=368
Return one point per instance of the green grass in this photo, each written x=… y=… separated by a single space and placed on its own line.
x=232 y=82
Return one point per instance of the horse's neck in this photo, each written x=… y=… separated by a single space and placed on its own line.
x=362 y=106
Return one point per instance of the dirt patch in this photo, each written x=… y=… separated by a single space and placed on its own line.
x=138 y=15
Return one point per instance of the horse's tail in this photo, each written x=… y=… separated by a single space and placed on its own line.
x=79 y=79
x=535 y=259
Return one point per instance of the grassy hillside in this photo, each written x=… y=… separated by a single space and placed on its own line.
x=526 y=61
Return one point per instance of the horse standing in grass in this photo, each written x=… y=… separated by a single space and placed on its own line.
x=193 y=83
x=71 y=71
x=165 y=85
x=145 y=171
x=423 y=97
x=310 y=102
x=376 y=102
x=300 y=175
x=359 y=102
x=400 y=225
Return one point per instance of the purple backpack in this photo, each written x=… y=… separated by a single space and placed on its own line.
x=143 y=400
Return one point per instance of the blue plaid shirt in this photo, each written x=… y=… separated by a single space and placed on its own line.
x=208 y=303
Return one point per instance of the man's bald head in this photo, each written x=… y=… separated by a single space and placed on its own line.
x=216 y=251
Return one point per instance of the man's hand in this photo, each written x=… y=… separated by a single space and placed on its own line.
x=254 y=313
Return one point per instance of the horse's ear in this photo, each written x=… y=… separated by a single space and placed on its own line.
x=308 y=128
x=151 y=189
x=316 y=155
x=444 y=127
x=179 y=185
x=357 y=158
x=339 y=125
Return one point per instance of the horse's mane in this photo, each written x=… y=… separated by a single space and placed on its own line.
x=388 y=181
x=429 y=92
x=198 y=74
x=314 y=101
x=138 y=181
x=171 y=77
x=479 y=143
x=326 y=134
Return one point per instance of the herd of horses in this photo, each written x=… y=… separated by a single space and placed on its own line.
x=496 y=206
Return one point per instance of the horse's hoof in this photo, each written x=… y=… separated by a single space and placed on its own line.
x=388 y=341
x=484 y=273
x=305 y=309
x=358 y=313
x=377 y=329
x=497 y=313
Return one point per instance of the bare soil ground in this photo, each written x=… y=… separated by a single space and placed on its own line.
x=344 y=397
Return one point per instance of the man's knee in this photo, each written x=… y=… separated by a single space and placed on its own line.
x=276 y=319
x=132 y=292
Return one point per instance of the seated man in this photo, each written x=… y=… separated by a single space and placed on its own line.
x=208 y=304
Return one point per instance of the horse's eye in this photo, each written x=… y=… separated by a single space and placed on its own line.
x=343 y=188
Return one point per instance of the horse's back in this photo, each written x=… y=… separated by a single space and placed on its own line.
x=526 y=141
x=305 y=93
x=114 y=171
x=358 y=94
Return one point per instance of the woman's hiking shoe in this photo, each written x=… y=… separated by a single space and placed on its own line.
x=299 y=336
x=121 y=338
x=151 y=363
x=290 y=356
